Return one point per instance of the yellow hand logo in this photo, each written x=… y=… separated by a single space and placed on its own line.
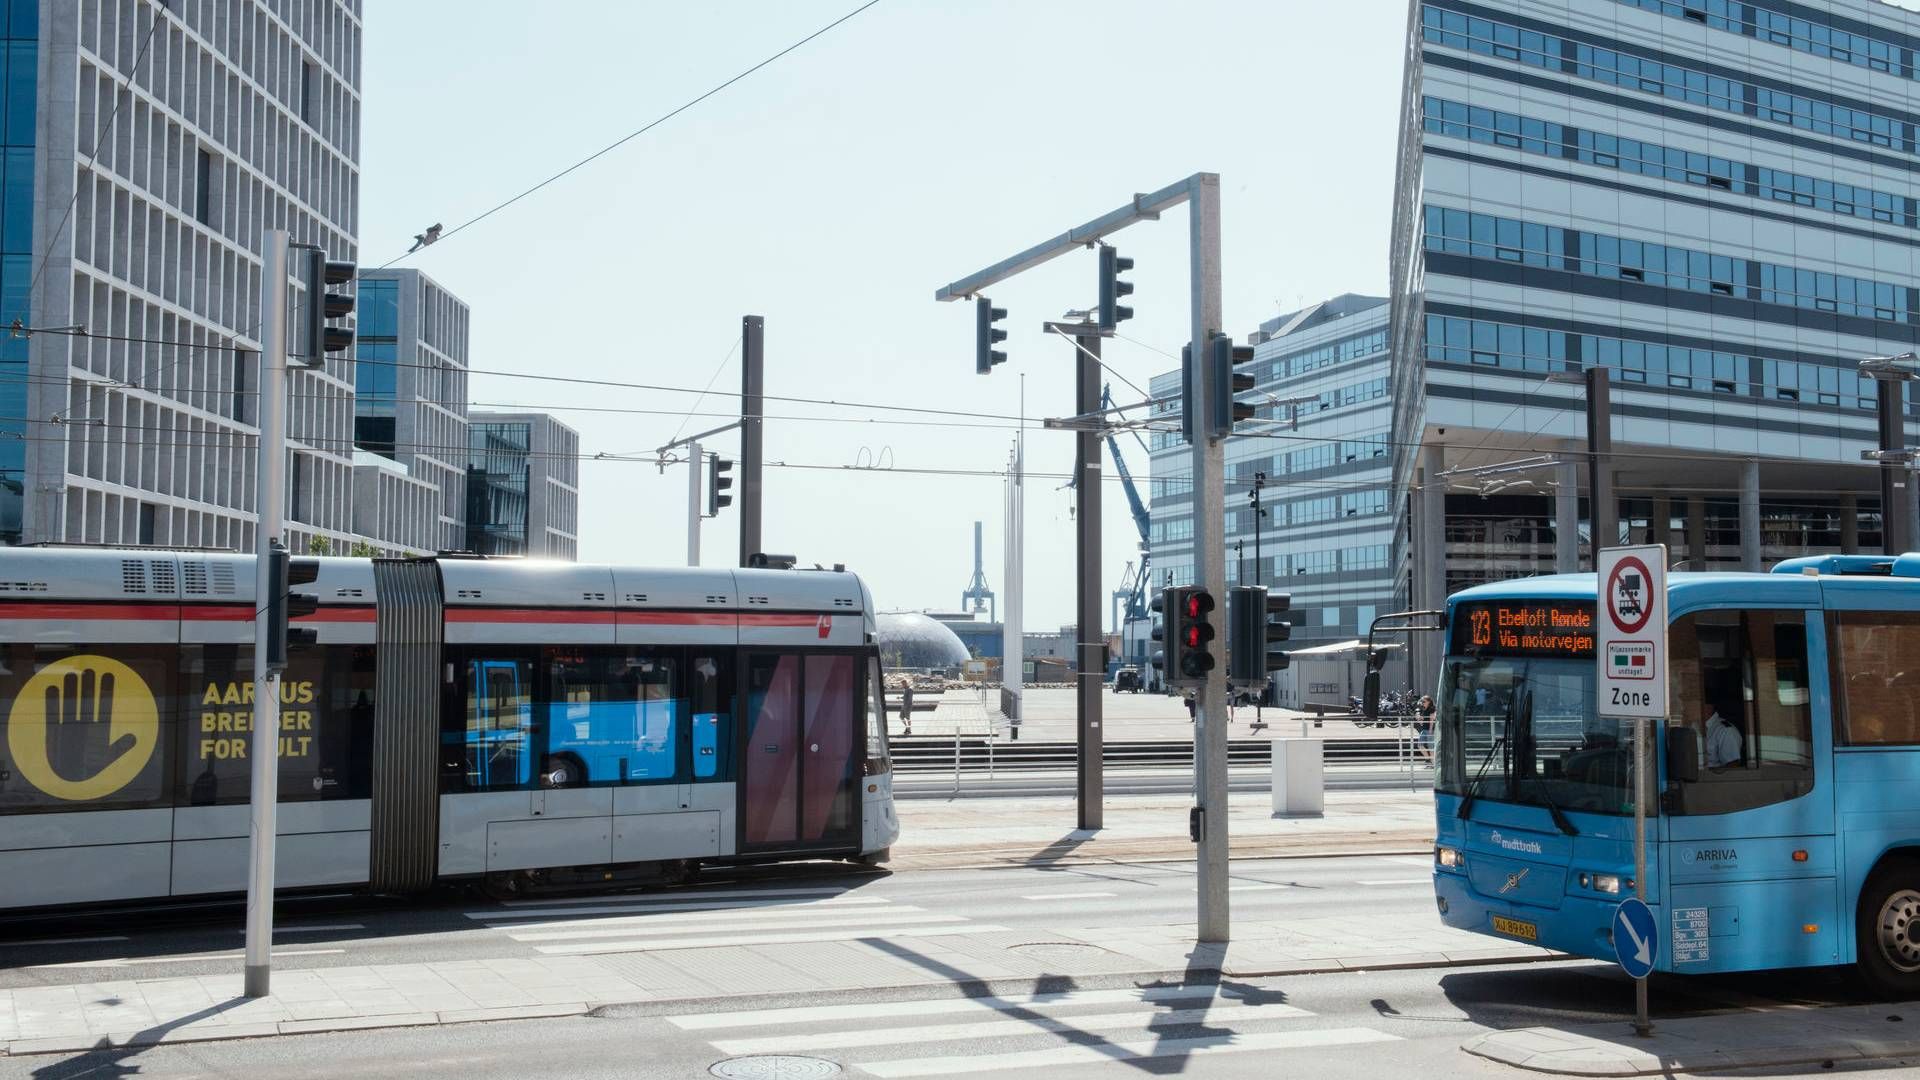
x=91 y=714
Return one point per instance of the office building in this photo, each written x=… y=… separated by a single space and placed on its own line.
x=1319 y=439
x=523 y=486
x=410 y=399
x=1713 y=200
x=146 y=149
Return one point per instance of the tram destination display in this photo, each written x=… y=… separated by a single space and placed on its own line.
x=1558 y=628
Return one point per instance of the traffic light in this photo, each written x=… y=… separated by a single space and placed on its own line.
x=1112 y=265
x=284 y=605
x=1278 y=630
x=987 y=335
x=1186 y=393
x=717 y=483
x=1228 y=383
x=1254 y=634
x=1196 y=633
x=1167 y=659
x=320 y=273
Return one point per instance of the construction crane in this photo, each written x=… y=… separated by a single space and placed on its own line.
x=1133 y=589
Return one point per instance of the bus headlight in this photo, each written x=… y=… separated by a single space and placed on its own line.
x=1447 y=857
x=1606 y=883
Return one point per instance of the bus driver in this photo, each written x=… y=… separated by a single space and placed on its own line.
x=1723 y=738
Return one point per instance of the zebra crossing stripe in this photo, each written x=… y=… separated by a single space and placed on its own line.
x=696 y=919
x=1051 y=1001
x=1010 y=1028
x=713 y=905
x=1143 y=1050
x=852 y=922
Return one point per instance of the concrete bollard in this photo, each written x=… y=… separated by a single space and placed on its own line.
x=1299 y=777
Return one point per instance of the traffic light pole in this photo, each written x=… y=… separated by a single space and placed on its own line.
x=753 y=386
x=1091 y=653
x=1201 y=193
x=272 y=494
x=694 y=511
x=1210 y=563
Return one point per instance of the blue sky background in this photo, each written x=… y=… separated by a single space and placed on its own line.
x=832 y=193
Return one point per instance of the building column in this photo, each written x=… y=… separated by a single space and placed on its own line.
x=1566 y=517
x=1750 y=516
x=1696 y=532
x=1849 y=523
x=1660 y=521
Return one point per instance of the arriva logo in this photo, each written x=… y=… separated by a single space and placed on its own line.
x=91 y=714
x=1710 y=855
x=1530 y=847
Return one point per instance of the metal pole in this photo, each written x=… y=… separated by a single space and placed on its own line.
x=753 y=386
x=1210 y=562
x=272 y=496
x=1603 y=513
x=1642 y=1023
x=1088 y=782
x=1896 y=491
x=694 y=509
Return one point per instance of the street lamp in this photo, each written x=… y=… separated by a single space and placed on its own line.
x=1889 y=373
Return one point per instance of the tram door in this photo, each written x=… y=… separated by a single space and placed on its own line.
x=798 y=753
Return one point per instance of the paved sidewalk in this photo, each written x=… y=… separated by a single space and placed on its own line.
x=975 y=832
x=1736 y=1040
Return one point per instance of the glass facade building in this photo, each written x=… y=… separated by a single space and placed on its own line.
x=1318 y=446
x=19 y=49
x=523 y=486
x=1715 y=202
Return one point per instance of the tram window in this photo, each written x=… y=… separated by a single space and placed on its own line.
x=877 y=753
x=326 y=723
x=1876 y=676
x=710 y=708
x=85 y=727
x=496 y=722
x=614 y=715
x=1740 y=680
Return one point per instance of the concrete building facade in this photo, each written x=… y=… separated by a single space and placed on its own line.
x=1320 y=439
x=147 y=147
x=523 y=486
x=1716 y=201
x=410 y=395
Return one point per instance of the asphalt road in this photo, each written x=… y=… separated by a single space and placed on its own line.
x=459 y=926
x=1348 y=1026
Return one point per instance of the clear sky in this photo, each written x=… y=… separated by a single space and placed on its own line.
x=832 y=193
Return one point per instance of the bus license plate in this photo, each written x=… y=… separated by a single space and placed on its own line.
x=1515 y=928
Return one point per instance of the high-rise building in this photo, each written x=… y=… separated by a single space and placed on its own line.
x=1714 y=200
x=146 y=149
x=410 y=390
x=523 y=486
x=1318 y=445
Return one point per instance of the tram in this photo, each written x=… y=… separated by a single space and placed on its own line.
x=521 y=724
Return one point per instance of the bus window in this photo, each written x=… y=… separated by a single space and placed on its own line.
x=1740 y=681
x=611 y=718
x=1876 y=676
x=498 y=723
x=85 y=727
x=710 y=704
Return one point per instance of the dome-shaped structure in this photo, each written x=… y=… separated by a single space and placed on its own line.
x=915 y=642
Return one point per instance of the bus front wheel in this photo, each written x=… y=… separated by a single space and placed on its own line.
x=1889 y=929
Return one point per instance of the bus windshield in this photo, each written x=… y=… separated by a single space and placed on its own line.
x=1523 y=730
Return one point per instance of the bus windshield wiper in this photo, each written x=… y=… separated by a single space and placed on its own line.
x=1473 y=789
x=1559 y=816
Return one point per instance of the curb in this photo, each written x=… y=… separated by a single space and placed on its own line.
x=1187 y=856
x=1559 y=1053
x=78 y=1044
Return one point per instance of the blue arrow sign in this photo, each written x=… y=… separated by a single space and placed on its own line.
x=1635 y=945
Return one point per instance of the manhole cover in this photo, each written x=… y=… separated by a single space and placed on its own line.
x=775 y=1067
x=1058 y=950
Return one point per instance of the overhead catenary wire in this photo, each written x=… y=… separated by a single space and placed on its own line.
x=632 y=135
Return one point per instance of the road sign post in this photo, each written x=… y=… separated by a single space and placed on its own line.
x=1631 y=682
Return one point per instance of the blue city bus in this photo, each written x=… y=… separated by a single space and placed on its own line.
x=1785 y=825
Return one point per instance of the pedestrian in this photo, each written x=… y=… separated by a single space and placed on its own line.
x=1423 y=725
x=906 y=710
x=1192 y=716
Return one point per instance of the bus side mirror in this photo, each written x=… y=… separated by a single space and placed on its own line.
x=1372 y=695
x=1683 y=755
